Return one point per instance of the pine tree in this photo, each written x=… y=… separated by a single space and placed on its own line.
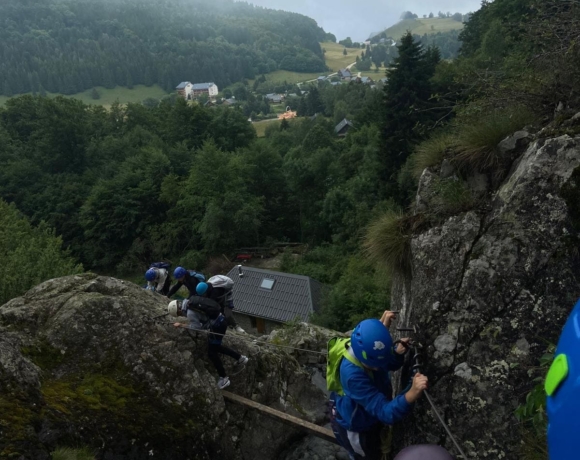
x=95 y=94
x=284 y=125
x=314 y=102
x=405 y=114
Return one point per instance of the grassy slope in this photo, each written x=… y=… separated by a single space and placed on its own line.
x=334 y=58
x=108 y=96
x=423 y=26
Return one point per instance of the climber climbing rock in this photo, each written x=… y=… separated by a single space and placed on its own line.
x=158 y=279
x=205 y=314
x=361 y=398
x=563 y=391
x=220 y=289
x=188 y=278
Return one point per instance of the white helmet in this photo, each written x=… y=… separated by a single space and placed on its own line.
x=173 y=307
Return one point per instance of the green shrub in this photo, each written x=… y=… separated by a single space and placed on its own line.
x=388 y=240
x=30 y=255
x=66 y=453
x=431 y=152
x=532 y=414
x=477 y=138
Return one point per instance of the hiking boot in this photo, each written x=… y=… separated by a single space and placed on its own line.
x=239 y=329
x=243 y=360
x=223 y=382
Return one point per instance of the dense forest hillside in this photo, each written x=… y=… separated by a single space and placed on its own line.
x=67 y=46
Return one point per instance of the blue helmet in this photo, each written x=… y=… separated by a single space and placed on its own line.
x=179 y=272
x=371 y=343
x=563 y=390
x=201 y=288
x=150 y=274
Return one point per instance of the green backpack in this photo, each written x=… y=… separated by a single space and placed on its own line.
x=337 y=349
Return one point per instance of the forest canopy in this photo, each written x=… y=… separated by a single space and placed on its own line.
x=68 y=46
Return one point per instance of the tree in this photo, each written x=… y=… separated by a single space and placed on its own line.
x=457 y=17
x=314 y=102
x=347 y=42
x=284 y=125
x=95 y=95
x=407 y=98
x=344 y=53
x=430 y=15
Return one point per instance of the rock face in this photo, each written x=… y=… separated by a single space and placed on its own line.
x=489 y=290
x=79 y=364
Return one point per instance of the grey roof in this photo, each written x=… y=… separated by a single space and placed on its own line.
x=230 y=101
x=182 y=85
x=291 y=296
x=322 y=77
x=335 y=83
x=199 y=86
x=345 y=72
x=342 y=124
x=365 y=79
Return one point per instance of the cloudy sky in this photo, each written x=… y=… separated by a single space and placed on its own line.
x=359 y=18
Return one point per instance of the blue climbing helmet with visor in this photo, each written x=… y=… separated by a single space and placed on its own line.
x=150 y=275
x=371 y=343
x=563 y=391
x=179 y=272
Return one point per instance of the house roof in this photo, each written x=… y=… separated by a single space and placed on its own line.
x=290 y=296
x=344 y=72
x=335 y=83
x=199 y=86
x=182 y=85
x=366 y=79
x=322 y=77
x=230 y=101
x=338 y=128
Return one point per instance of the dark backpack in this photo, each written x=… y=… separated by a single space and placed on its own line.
x=164 y=265
x=208 y=307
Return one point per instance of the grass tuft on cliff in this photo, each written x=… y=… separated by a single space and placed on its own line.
x=388 y=240
x=431 y=152
x=477 y=138
x=453 y=197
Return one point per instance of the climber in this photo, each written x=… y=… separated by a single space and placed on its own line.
x=362 y=393
x=158 y=279
x=562 y=387
x=187 y=278
x=204 y=314
x=219 y=288
x=424 y=452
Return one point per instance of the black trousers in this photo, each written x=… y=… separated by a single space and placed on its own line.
x=215 y=348
x=368 y=441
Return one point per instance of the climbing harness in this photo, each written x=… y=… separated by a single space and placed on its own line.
x=414 y=370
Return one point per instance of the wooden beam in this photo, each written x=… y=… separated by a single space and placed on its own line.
x=296 y=422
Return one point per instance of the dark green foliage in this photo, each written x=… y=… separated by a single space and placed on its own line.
x=70 y=46
x=409 y=109
x=30 y=254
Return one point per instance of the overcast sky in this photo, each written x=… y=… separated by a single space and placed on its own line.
x=359 y=18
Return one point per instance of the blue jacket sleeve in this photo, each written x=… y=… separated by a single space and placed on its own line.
x=361 y=389
x=397 y=362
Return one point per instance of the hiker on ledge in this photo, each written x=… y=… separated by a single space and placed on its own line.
x=361 y=387
x=187 y=278
x=219 y=288
x=204 y=314
x=158 y=279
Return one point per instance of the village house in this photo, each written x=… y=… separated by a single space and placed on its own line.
x=264 y=300
x=184 y=89
x=274 y=98
x=345 y=74
x=210 y=89
x=343 y=127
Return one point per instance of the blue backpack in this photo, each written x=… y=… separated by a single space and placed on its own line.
x=197 y=275
x=164 y=265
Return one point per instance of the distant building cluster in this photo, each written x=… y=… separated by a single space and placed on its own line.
x=190 y=91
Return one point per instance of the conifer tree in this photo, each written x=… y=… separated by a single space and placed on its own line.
x=407 y=98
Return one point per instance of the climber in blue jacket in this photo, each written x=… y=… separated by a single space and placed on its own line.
x=563 y=391
x=367 y=404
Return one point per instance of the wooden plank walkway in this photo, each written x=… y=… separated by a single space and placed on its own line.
x=296 y=422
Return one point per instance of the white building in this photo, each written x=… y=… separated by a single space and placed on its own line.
x=210 y=89
x=184 y=89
